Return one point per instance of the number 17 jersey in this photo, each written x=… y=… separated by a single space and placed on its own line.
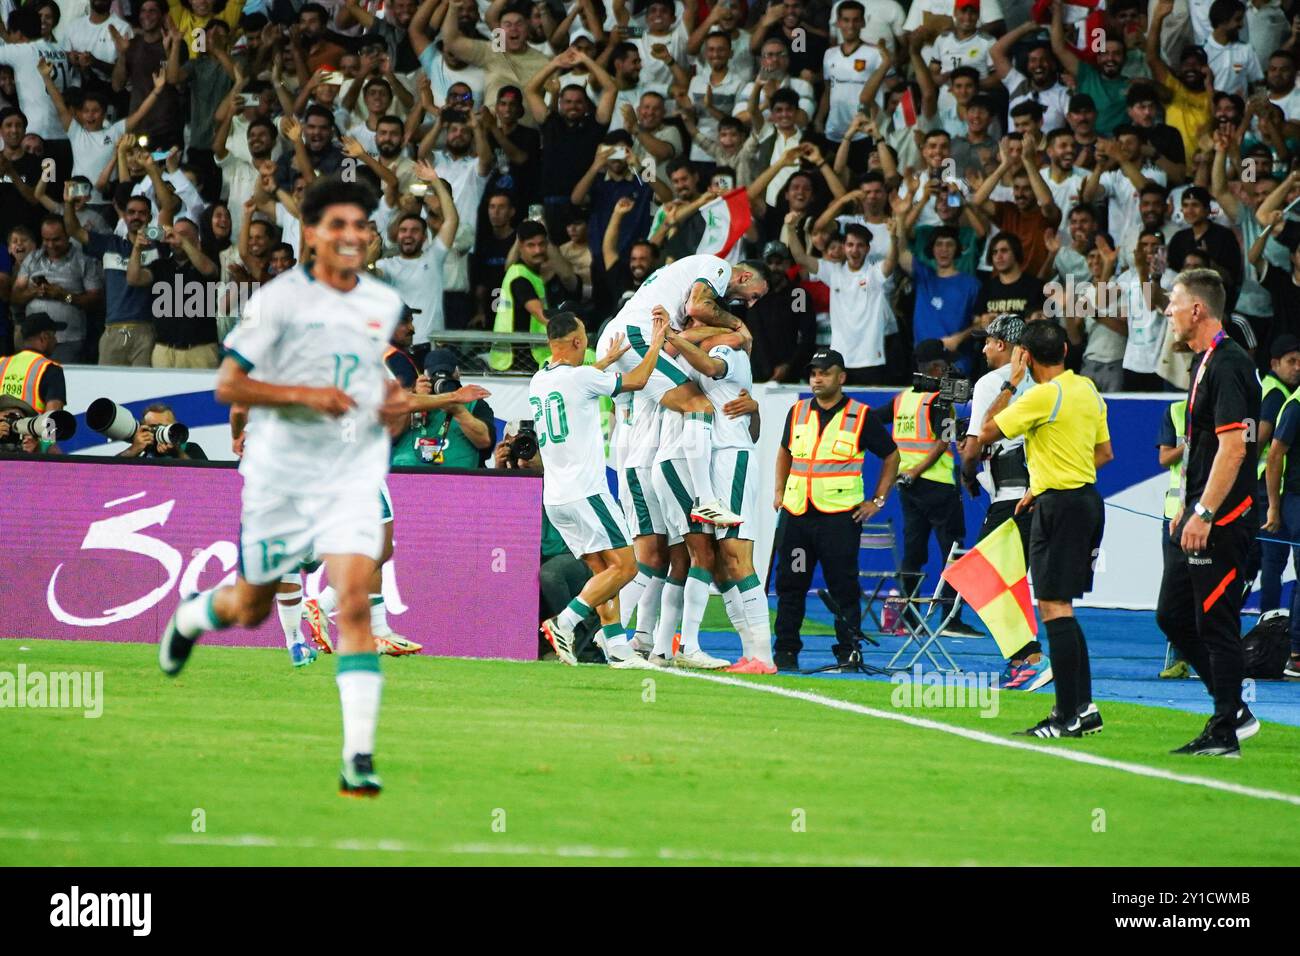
x=566 y=416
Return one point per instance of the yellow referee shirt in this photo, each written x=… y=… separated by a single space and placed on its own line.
x=1063 y=421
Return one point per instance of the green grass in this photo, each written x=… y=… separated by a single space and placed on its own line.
x=587 y=770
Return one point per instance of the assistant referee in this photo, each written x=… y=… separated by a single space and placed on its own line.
x=1199 y=607
x=1063 y=419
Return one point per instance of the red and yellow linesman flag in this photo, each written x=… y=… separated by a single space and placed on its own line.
x=990 y=577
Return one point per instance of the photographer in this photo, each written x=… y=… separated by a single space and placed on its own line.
x=148 y=443
x=453 y=428
x=924 y=430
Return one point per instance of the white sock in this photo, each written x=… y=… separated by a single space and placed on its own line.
x=695 y=598
x=753 y=601
x=615 y=635
x=196 y=615
x=359 y=686
x=670 y=615
x=575 y=613
x=328 y=600
x=735 y=613
x=697 y=443
x=289 y=607
x=647 y=609
x=379 y=616
x=631 y=594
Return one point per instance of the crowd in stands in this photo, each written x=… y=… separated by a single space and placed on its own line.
x=907 y=172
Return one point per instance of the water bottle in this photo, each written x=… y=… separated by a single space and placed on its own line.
x=891 y=612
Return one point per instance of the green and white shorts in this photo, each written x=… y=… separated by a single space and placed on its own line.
x=590 y=524
x=279 y=532
x=641 y=506
x=735 y=479
x=672 y=484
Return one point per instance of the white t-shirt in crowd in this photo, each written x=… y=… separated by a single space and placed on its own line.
x=845 y=76
x=419 y=281
x=951 y=51
x=91 y=150
x=1146 y=327
x=33 y=100
x=1234 y=66
x=859 y=301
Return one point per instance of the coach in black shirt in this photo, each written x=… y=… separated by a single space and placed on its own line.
x=1201 y=593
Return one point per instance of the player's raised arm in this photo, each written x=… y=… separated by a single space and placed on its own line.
x=236 y=387
x=700 y=360
x=703 y=306
x=636 y=379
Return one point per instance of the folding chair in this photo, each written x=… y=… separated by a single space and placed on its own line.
x=924 y=620
x=879 y=536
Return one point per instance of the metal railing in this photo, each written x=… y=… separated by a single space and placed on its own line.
x=493 y=353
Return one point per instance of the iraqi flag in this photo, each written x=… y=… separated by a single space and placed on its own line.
x=725 y=221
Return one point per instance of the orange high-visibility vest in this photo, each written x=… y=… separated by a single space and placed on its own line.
x=915 y=438
x=827 y=468
x=21 y=374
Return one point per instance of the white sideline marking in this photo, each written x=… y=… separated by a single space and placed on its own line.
x=260 y=841
x=1137 y=769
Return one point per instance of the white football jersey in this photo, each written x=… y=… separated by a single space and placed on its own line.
x=728 y=432
x=643 y=436
x=671 y=287
x=298 y=331
x=566 y=416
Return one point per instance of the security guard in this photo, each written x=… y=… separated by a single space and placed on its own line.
x=1266 y=557
x=820 y=494
x=924 y=431
x=31 y=379
x=524 y=295
x=1063 y=419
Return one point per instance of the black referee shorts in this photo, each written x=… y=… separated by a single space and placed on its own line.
x=1064 y=542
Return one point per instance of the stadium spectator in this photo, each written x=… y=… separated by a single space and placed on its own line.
x=60 y=281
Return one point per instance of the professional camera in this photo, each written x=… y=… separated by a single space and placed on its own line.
x=523 y=446
x=952 y=389
x=51 y=426
x=116 y=422
x=444 y=382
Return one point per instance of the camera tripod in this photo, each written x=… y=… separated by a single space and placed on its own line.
x=853 y=663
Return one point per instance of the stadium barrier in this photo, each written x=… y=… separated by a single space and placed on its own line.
x=114 y=544
x=1128 y=566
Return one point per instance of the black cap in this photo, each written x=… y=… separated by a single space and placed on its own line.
x=37 y=322
x=440 y=361
x=931 y=350
x=1081 y=102
x=777 y=248
x=1284 y=345
x=825 y=358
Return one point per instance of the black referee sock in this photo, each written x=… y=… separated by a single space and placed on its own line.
x=1085 y=667
x=1063 y=640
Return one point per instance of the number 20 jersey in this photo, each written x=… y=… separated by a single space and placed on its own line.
x=298 y=331
x=566 y=414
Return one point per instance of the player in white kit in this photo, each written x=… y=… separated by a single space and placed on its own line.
x=691 y=288
x=307 y=358
x=726 y=378
x=565 y=397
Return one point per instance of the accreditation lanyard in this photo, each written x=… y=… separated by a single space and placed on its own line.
x=1187 y=420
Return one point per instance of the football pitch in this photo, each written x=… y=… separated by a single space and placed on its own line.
x=501 y=763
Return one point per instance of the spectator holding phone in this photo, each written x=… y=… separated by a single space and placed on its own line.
x=66 y=282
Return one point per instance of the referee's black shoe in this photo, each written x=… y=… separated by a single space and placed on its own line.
x=1247 y=724
x=1052 y=726
x=1216 y=740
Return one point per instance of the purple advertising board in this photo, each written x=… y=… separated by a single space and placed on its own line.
x=104 y=552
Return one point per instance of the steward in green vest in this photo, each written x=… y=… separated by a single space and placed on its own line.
x=524 y=293
x=1276 y=387
x=457 y=437
x=1172 y=430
